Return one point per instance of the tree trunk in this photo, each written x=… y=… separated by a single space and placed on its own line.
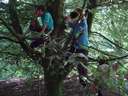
x=53 y=85
x=54 y=88
x=56 y=8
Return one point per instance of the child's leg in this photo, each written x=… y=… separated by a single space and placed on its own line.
x=83 y=72
x=37 y=42
x=69 y=53
x=99 y=93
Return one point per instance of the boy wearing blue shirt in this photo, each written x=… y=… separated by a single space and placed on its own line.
x=47 y=25
x=79 y=34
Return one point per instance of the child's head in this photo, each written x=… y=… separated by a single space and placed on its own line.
x=81 y=12
x=77 y=14
x=39 y=10
x=74 y=15
x=102 y=60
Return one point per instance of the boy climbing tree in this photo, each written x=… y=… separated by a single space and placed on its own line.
x=41 y=27
x=79 y=39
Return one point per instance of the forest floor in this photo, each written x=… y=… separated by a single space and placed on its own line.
x=22 y=87
x=35 y=87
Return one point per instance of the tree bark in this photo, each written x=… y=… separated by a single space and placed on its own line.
x=14 y=17
x=53 y=85
x=56 y=9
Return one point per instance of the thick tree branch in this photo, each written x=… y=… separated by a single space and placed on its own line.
x=9 y=28
x=118 y=58
x=122 y=65
x=8 y=38
x=111 y=59
x=18 y=32
x=5 y=33
x=10 y=53
x=14 y=17
x=32 y=53
x=6 y=24
x=84 y=4
x=96 y=33
x=105 y=53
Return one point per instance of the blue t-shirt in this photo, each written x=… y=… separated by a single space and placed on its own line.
x=77 y=28
x=47 y=19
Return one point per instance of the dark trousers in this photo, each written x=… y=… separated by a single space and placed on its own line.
x=74 y=50
x=81 y=70
x=37 y=42
x=99 y=93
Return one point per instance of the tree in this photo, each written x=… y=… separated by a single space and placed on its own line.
x=51 y=59
x=54 y=69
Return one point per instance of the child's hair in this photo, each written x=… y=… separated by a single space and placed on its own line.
x=74 y=14
x=80 y=11
x=102 y=61
x=42 y=7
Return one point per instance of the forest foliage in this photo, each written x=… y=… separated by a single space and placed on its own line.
x=108 y=38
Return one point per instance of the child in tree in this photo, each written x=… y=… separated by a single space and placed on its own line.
x=79 y=37
x=46 y=26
